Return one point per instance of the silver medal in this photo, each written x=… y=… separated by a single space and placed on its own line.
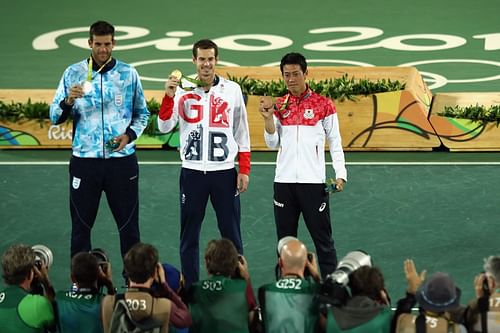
x=87 y=87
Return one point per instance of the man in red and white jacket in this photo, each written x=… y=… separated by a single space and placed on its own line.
x=214 y=132
x=298 y=124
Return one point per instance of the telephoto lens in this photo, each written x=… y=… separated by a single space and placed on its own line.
x=351 y=262
x=43 y=256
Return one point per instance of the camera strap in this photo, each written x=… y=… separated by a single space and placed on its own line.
x=483 y=305
x=141 y=289
x=420 y=323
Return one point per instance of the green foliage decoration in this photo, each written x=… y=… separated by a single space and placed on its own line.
x=473 y=113
x=343 y=88
x=340 y=89
x=19 y=112
x=154 y=108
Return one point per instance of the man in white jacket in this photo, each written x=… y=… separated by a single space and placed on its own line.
x=297 y=125
x=214 y=132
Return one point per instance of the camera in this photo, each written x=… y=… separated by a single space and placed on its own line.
x=351 y=262
x=333 y=291
x=237 y=271
x=102 y=261
x=485 y=286
x=101 y=256
x=43 y=256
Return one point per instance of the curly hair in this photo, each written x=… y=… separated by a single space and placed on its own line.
x=221 y=257
x=17 y=263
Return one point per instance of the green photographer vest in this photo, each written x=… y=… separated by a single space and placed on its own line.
x=288 y=306
x=219 y=305
x=379 y=324
x=21 y=312
x=79 y=312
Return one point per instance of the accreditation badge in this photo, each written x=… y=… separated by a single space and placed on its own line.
x=118 y=100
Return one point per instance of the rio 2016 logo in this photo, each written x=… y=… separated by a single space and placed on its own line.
x=360 y=38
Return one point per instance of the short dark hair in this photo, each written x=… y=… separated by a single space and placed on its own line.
x=85 y=269
x=205 y=44
x=294 y=58
x=367 y=281
x=101 y=28
x=221 y=257
x=17 y=263
x=140 y=262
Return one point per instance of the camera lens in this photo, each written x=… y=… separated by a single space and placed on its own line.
x=101 y=255
x=351 y=262
x=43 y=256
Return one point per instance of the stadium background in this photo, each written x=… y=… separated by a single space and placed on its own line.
x=442 y=214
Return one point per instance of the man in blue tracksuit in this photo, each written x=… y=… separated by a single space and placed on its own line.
x=105 y=99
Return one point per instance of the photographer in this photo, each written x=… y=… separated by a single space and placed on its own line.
x=368 y=308
x=164 y=306
x=438 y=299
x=21 y=311
x=483 y=313
x=224 y=302
x=78 y=310
x=288 y=304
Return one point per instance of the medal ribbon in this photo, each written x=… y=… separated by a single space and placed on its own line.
x=89 y=73
x=285 y=103
x=195 y=81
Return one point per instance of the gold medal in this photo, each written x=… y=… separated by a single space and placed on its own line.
x=177 y=74
x=87 y=87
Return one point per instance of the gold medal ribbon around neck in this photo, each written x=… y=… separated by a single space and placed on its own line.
x=178 y=74
x=91 y=63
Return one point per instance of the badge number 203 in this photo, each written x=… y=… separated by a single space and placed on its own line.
x=136 y=304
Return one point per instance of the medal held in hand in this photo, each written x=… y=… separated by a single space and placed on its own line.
x=179 y=76
x=87 y=87
x=330 y=186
